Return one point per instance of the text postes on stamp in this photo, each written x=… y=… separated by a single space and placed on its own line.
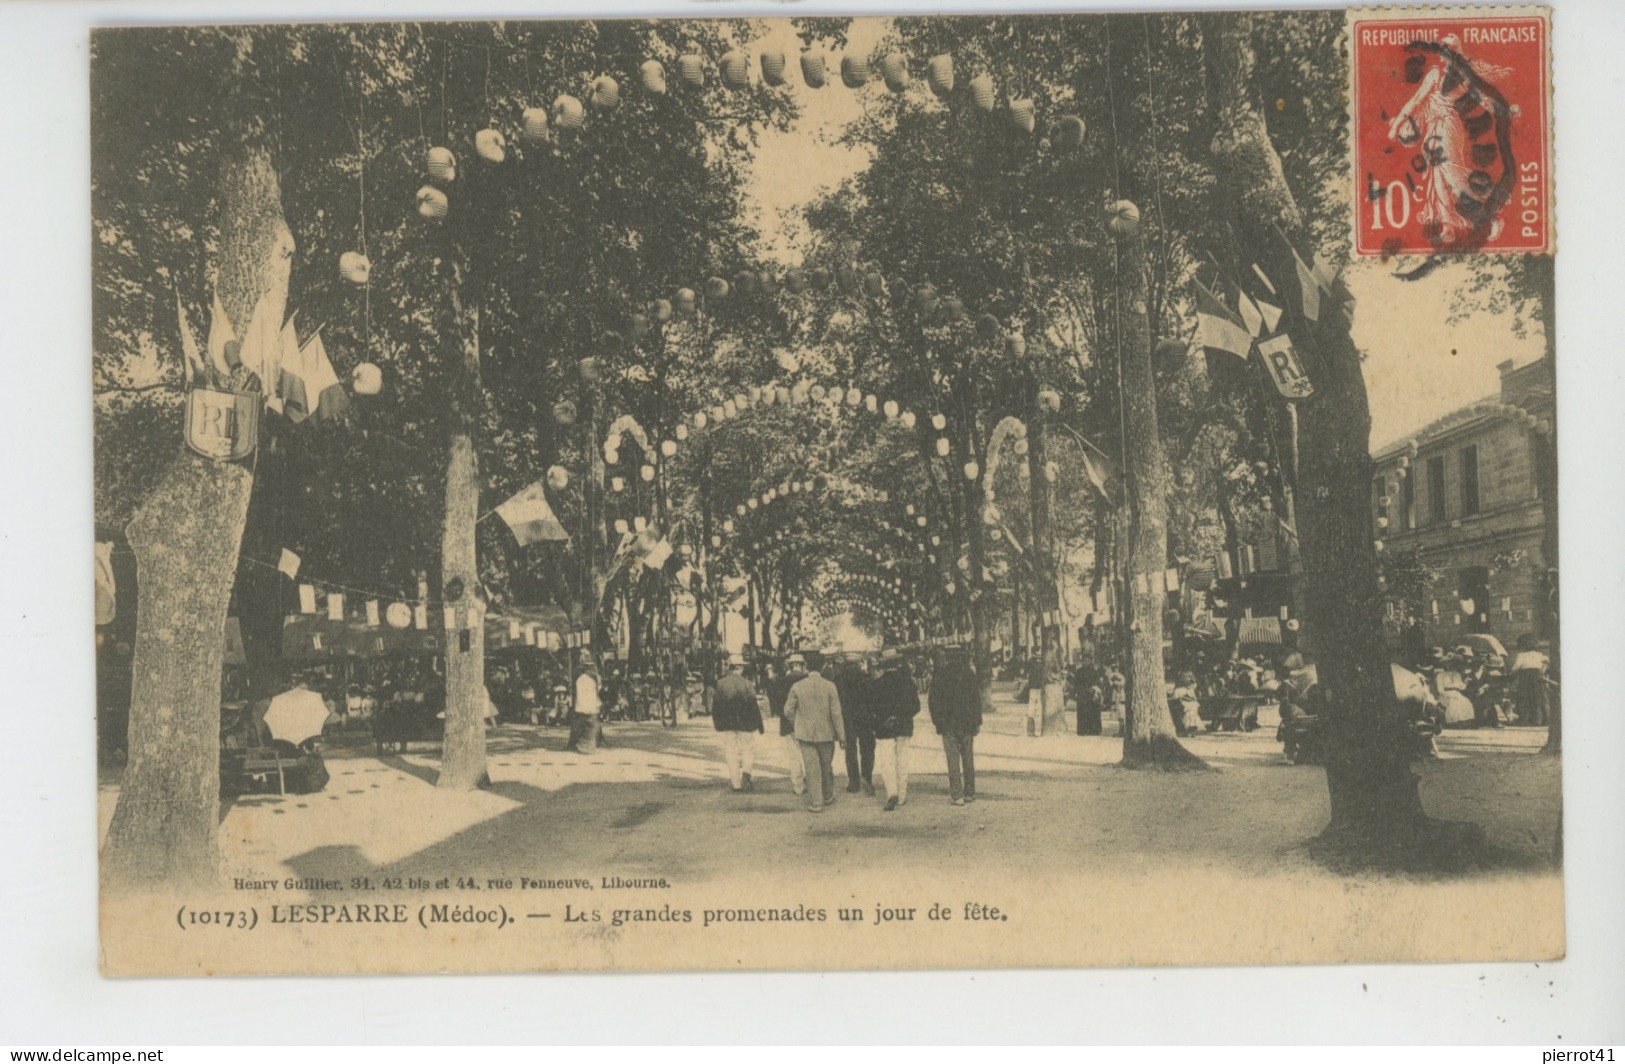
x=1451 y=126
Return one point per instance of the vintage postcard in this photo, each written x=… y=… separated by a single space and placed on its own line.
x=821 y=493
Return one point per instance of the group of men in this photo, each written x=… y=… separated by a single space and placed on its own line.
x=867 y=708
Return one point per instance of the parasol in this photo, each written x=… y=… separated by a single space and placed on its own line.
x=296 y=715
x=1483 y=643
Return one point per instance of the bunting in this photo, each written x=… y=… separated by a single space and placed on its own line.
x=530 y=517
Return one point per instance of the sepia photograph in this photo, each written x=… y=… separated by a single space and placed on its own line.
x=805 y=493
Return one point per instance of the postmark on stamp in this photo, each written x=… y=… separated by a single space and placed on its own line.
x=1451 y=131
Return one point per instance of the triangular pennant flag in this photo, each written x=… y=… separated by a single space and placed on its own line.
x=288 y=564
x=1272 y=315
x=1217 y=329
x=222 y=354
x=189 y=348
x=530 y=518
x=1284 y=368
x=106 y=596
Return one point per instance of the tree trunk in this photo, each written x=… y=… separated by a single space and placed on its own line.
x=1376 y=810
x=1149 y=739
x=1046 y=580
x=186 y=539
x=1542 y=272
x=462 y=758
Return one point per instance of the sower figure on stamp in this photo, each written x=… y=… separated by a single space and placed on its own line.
x=856 y=688
x=814 y=712
x=896 y=704
x=738 y=719
x=956 y=711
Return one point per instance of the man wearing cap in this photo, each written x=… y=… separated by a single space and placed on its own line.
x=896 y=702
x=814 y=712
x=778 y=693
x=737 y=717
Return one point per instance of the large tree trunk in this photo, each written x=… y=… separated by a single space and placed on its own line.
x=1376 y=810
x=1046 y=580
x=186 y=538
x=1149 y=738
x=462 y=758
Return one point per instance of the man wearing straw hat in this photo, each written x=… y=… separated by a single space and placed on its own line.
x=737 y=717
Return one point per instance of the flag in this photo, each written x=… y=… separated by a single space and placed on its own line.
x=372 y=613
x=530 y=518
x=221 y=338
x=194 y=358
x=1100 y=470
x=1272 y=315
x=1309 y=286
x=106 y=597
x=307 y=598
x=658 y=554
x=1217 y=329
x=420 y=616
x=1284 y=368
x=1250 y=314
x=289 y=398
x=335 y=606
x=329 y=401
x=288 y=564
x=259 y=352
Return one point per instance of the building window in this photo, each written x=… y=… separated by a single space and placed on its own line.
x=1469 y=479
x=1407 y=502
x=1436 y=488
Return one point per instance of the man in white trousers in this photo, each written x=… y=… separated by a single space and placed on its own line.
x=737 y=717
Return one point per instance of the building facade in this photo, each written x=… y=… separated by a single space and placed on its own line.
x=1467 y=495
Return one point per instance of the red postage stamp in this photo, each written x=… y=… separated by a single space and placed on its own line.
x=1451 y=124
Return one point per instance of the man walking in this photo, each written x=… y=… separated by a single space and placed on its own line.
x=896 y=704
x=813 y=710
x=584 y=727
x=956 y=712
x=778 y=693
x=737 y=718
x=856 y=688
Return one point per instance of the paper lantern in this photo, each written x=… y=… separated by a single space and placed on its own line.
x=952 y=308
x=773 y=67
x=558 y=478
x=691 y=68
x=783 y=395
x=684 y=301
x=533 y=125
x=1015 y=345
x=717 y=288
x=491 y=146
x=617 y=484
x=612 y=456
x=1051 y=471
x=939 y=72
x=735 y=70
x=355 y=267
x=728 y=526
x=766 y=282
x=1123 y=219
x=981 y=92
x=874 y=285
x=812 y=70
x=647 y=472
x=701 y=420
x=1049 y=400
x=589 y=369
x=605 y=93
x=871 y=403
x=820 y=278
x=442 y=165
x=653 y=76
x=890 y=408
x=564 y=412
x=1066 y=134
x=753 y=502
x=894 y=70
x=854 y=71
x=939 y=422
x=747 y=283
x=639 y=524
x=367 y=379
x=432 y=203
x=795 y=281
x=1023 y=115
x=661 y=309
x=568 y=113
x=921 y=521
x=942 y=446
x=668 y=447
x=908 y=419
x=398 y=615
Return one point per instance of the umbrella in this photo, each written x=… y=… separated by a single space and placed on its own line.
x=1483 y=643
x=296 y=715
